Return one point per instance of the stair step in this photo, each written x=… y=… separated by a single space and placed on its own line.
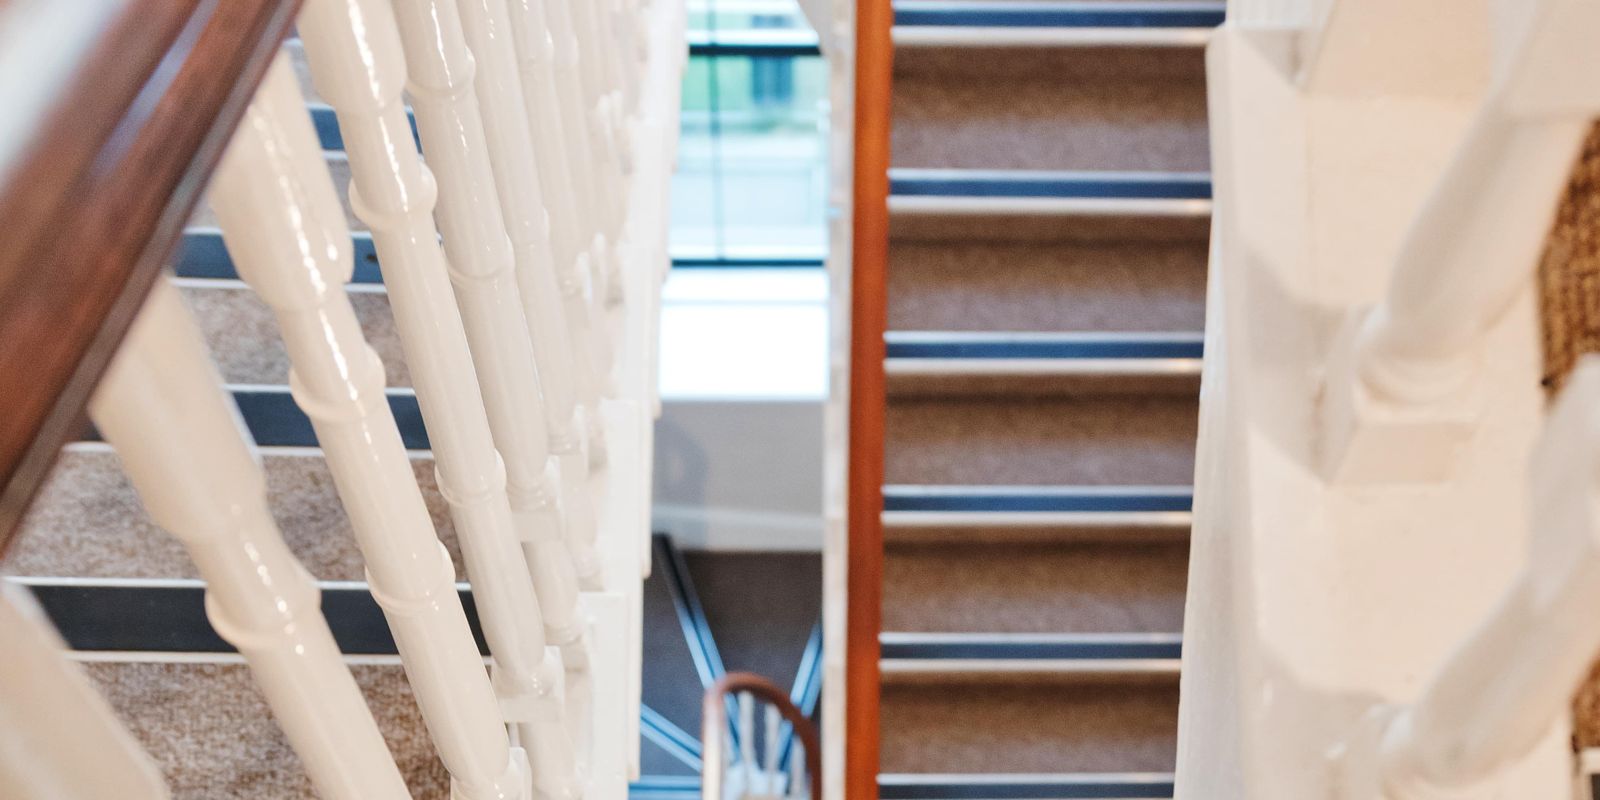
x=1035 y=728
x=1106 y=786
x=950 y=363
x=1095 y=441
x=951 y=657
x=1034 y=513
x=244 y=339
x=209 y=730
x=87 y=521
x=1037 y=108
x=1030 y=286
x=990 y=587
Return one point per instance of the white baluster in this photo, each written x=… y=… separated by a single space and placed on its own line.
x=1498 y=695
x=162 y=407
x=58 y=738
x=563 y=152
x=574 y=76
x=485 y=287
x=286 y=233
x=471 y=476
x=519 y=427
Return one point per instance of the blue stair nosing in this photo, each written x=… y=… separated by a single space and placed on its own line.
x=1058 y=501
x=1095 y=649
x=1059 y=15
x=1133 y=348
x=1084 y=186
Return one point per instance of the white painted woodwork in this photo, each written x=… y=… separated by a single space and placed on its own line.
x=470 y=473
x=162 y=406
x=518 y=377
x=1492 y=701
x=1351 y=167
x=286 y=233
x=58 y=737
x=1403 y=391
x=568 y=200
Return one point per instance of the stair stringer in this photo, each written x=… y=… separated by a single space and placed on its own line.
x=1310 y=603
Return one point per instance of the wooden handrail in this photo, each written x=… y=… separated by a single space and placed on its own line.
x=868 y=320
x=714 y=712
x=96 y=198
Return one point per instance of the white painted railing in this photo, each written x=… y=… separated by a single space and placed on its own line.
x=744 y=760
x=1388 y=598
x=527 y=319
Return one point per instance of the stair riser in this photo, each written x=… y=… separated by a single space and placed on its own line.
x=960 y=728
x=1111 y=440
x=1091 y=108
x=1050 y=587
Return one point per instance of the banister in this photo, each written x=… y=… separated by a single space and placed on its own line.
x=714 y=714
x=869 y=261
x=96 y=196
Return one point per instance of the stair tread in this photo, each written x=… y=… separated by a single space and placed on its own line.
x=243 y=336
x=1115 y=440
x=988 y=587
x=1039 y=109
x=1028 y=728
x=1111 y=287
x=87 y=521
x=209 y=730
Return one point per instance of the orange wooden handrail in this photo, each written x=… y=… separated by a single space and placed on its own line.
x=714 y=713
x=96 y=199
x=869 y=260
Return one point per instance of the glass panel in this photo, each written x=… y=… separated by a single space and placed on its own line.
x=751 y=179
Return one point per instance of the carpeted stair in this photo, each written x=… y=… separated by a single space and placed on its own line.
x=1049 y=210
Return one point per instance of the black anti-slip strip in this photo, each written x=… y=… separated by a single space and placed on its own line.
x=1064 y=349
x=172 y=619
x=1109 y=789
x=275 y=421
x=1059 y=15
x=1054 y=501
x=1087 y=187
x=1088 y=651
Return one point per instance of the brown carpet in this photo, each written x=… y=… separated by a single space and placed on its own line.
x=1115 y=440
x=1059 y=109
x=210 y=731
x=87 y=522
x=1012 y=286
x=243 y=336
x=1044 y=728
x=1569 y=282
x=1041 y=587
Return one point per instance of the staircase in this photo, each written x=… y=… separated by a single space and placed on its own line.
x=129 y=601
x=1049 y=213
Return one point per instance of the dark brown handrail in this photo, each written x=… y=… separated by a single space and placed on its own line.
x=868 y=321
x=96 y=201
x=714 y=712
